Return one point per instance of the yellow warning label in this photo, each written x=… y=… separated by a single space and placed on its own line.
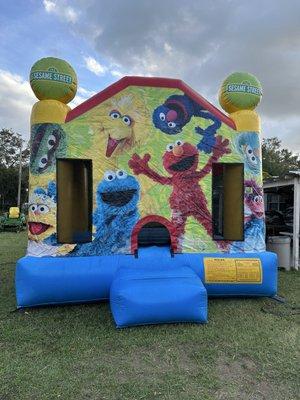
x=232 y=270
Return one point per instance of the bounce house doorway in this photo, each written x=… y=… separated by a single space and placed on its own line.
x=154 y=234
x=153 y=230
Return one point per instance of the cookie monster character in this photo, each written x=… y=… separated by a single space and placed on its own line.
x=247 y=144
x=115 y=216
x=187 y=198
x=42 y=221
x=177 y=111
x=48 y=141
x=254 y=225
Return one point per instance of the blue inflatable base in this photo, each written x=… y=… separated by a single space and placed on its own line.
x=61 y=280
x=143 y=296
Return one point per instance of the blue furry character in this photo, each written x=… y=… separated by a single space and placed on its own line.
x=248 y=146
x=115 y=216
x=177 y=111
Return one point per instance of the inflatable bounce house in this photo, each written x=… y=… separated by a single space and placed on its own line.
x=146 y=195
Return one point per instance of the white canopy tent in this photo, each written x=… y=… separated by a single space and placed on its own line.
x=293 y=180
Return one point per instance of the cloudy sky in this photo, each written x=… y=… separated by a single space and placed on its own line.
x=198 y=41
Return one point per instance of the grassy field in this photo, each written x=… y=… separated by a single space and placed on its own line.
x=248 y=350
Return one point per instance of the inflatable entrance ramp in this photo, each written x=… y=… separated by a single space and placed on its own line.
x=157 y=295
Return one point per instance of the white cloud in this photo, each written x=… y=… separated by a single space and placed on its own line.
x=77 y=100
x=82 y=95
x=49 y=6
x=168 y=48
x=286 y=129
x=61 y=10
x=16 y=100
x=94 y=66
x=116 y=73
x=85 y=93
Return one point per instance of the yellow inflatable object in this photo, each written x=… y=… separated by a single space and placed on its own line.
x=53 y=78
x=14 y=212
x=240 y=91
x=246 y=120
x=239 y=94
x=49 y=111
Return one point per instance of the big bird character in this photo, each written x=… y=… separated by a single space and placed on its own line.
x=124 y=124
x=42 y=221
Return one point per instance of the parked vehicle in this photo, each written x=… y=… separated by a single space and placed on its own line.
x=13 y=220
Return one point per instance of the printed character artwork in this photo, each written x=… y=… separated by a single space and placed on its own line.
x=48 y=142
x=187 y=198
x=115 y=216
x=120 y=124
x=177 y=111
x=42 y=221
x=248 y=146
x=254 y=224
x=132 y=128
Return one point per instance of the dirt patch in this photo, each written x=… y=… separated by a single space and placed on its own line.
x=149 y=363
x=152 y=363
x=239 y=381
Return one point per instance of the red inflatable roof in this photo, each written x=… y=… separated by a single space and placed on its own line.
x=151 y=82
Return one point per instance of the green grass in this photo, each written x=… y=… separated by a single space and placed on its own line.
x=248 y=350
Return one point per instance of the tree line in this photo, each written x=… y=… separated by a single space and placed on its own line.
x=10 y=147
x=276 y=160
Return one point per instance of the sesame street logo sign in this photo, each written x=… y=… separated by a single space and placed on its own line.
x=243 y=88
x=51 y=75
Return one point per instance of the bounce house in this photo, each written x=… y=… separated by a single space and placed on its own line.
x=146 y=195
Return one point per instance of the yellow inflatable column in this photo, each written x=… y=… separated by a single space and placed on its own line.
x=240 y=93
x=54 y=82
